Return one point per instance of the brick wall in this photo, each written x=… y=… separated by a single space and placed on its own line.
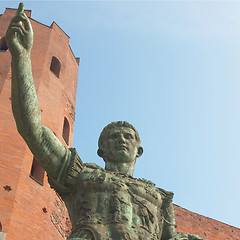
x=209 y=229
x=29 y=210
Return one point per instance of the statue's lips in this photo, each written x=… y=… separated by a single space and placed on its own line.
x=123 y=147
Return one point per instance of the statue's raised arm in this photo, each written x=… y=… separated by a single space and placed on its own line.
x=49 y=151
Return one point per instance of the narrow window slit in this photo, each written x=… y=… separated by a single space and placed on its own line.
x=37 y=172
x=55 y=66
x=66 y=130
x=3 y=44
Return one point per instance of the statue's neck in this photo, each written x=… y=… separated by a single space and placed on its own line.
x=123 y=168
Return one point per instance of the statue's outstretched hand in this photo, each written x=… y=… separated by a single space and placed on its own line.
x=182 y=236
x=19 y=34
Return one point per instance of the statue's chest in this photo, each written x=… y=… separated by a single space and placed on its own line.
x=98 y=180
x=108 y=193
x=115 y=201
x=107 y=198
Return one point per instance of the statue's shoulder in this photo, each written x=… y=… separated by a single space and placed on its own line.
x=74 y=155
x=146 y=182
x=75 y=164
x=92 y=166
x=76 y=159
x=166 y=195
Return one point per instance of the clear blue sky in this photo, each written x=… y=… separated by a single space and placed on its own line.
x=171 y=68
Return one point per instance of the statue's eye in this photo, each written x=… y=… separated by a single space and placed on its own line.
x=128 y=136
x=114 y=135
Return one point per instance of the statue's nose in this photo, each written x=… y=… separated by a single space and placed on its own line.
x=121 y=139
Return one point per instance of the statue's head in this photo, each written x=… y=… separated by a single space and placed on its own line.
x=119 y=142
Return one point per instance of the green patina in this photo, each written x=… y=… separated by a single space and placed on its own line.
x=102 y=203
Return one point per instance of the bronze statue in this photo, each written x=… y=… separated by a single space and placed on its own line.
x=107 y=204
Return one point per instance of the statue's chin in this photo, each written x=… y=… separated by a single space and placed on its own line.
x=121 y=156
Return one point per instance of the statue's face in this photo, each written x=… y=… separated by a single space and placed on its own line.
x=121 y=145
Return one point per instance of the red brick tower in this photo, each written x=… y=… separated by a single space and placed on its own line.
x=29 y=209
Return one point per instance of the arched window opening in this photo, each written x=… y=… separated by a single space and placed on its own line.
x=37 y=172
x=3 y=44
x=55 y=66
x=0 y=227
x=66 y=130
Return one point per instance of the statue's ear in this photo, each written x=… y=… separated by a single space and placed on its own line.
x=100 y=153
x=139 y=152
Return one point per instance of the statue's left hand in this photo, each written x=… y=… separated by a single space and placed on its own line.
x=194 y=237
x=19 y=35
x=181 y=236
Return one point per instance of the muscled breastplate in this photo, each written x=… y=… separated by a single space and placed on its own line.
x=107 y=205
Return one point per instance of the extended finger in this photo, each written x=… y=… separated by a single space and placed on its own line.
x=17 y=18
x=26 y=22
x=20 y=9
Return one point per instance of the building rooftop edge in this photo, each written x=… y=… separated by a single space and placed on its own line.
x=53 y=24
x=206 y=217
x=27 y=11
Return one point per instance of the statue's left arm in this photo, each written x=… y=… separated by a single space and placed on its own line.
x=169 y=222
x=169 y=232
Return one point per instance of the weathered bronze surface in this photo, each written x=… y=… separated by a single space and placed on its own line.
x=107 y=204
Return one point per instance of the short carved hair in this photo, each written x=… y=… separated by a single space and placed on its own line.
x=116 y=124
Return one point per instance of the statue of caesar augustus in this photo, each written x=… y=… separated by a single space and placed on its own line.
x=106 y=204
